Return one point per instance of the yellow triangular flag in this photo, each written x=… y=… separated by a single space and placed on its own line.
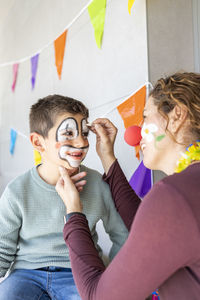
x=130 y=4
x=97 y=11
x=37 y=157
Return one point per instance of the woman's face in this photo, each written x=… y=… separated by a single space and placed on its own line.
x=155 y=140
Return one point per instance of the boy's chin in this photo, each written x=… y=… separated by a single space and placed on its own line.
x=71 y=165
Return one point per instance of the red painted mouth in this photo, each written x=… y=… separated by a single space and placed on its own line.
x=75 y=155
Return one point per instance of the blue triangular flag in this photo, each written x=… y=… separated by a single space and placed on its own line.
x=13 y=136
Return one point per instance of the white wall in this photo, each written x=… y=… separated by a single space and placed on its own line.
x=99 y=78
x=171 y=40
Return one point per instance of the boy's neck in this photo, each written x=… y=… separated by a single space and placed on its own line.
x=50 y=174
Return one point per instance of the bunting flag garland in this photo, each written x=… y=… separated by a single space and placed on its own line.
x=130 y=4
x=137 y=152
x=37 y=157
x=131 y=111
x=97 y=11
x=141 y=180
x=59 y=45
x=13 y=137
x=15 y=72
x=34 y=65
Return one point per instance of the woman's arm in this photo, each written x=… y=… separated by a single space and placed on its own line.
x=159 y=243
x=126 y=200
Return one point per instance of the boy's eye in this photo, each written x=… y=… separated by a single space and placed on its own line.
x=69 y=133
x=85 y=134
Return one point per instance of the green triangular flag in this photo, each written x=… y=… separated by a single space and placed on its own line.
x=97 y=11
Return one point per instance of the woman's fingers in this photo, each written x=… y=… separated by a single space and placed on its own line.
x=78 y=176
x=77 y=180
x=68 y=192
x=80 y=183
x=105 y=129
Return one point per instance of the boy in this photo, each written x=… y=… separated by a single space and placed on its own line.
x=31 y=212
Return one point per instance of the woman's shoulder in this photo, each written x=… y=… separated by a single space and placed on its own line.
x=177 y=193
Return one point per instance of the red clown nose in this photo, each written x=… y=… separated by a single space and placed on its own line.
x=132 y=135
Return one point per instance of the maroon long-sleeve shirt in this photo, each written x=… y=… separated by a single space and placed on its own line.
x=163 y=247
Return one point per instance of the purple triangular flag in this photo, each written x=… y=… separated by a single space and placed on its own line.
x=141 y=180
x=34 y=65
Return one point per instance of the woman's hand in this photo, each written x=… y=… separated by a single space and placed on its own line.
x=68 y=189
x=105 y=137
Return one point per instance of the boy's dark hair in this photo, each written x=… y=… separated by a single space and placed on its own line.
x=44 y=112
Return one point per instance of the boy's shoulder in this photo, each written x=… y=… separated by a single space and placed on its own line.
x=19 y=181
x=91 y=172
x=95 y=181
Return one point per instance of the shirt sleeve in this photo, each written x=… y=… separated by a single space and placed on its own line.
x=9 y=230
x=160 y=242
x=125 y=199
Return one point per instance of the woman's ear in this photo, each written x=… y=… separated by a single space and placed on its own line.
x=177 y=118
x=37 y=141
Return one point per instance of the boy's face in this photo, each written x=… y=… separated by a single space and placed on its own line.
x=67 y=143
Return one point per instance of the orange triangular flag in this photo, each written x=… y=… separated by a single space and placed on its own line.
x=131 y=111
x=59 y=45
x=137 y=151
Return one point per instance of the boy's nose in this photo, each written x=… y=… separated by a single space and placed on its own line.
x=79 y=141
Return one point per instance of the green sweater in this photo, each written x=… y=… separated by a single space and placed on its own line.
x=31 y=221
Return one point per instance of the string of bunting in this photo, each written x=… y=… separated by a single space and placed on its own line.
x=96 y=10
x=130 y=111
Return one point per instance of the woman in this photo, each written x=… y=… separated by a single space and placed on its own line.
x=163 y=247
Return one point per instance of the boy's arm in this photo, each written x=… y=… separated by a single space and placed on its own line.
x=113 y=223
x=9 y=229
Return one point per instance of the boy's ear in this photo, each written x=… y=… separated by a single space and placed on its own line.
x=37 y=141
x=177 y=118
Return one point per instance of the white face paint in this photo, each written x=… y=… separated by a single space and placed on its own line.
x=74 y=156
x=148 y=131
x=68 y=131
x=84 y=128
